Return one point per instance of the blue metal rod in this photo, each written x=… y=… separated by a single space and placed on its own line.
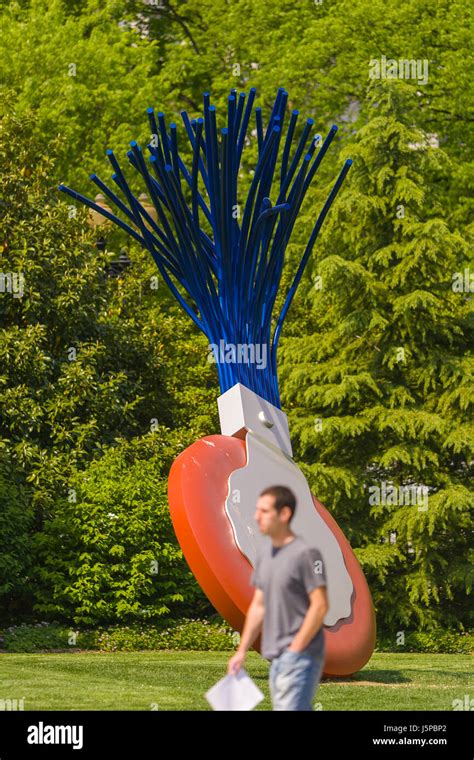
x=259 y=125
x=223 y=190
x=288 y=141
x=153 y=125
x=321 y=153
x=244 y=254
x=110 y=194
x=306 y=255
x=253 y=190
x=164 y=137
x=156 y=201
x=108 y=215
x=151 y=243
x=204 y=284
x=297 y=156
x=174 y=266
x=174 y=149
x=155 y=192
x=245 y=123
x=192 y=140
x=238 y=115
x=196 y=159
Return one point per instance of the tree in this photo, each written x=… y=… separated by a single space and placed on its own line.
x=16 y=525
x=85 y=358
x=86 y=77
x=380 y=391
x=322 y=53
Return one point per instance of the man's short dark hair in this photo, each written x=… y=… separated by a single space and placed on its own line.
x=284 y=497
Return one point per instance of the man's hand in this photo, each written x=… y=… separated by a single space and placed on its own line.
x=236 y=662
x=291 y=649
x=252 y=627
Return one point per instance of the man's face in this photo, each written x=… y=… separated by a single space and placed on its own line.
x=268 y=519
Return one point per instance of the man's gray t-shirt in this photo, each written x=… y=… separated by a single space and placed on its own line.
x=286 y=575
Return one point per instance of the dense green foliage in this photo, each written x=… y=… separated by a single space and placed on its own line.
x=87 y=362
x=380 y=390
x=194 y=634
x=103 y=381
x=109 y=552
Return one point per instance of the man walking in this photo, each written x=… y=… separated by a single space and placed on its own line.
x=289 y=603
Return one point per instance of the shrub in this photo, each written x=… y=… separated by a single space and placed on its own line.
x=188 y=634
x=110 y=554
x=435 y=642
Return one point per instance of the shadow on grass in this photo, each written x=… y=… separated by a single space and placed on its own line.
x=371 y=676
x=375 y=677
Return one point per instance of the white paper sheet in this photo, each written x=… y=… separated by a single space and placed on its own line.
x=234 y=692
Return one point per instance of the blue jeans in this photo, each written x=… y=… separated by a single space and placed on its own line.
x=294 y=679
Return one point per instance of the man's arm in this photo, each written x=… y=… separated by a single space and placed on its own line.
x=253 y=621
x=313 y=620
x=252 y=627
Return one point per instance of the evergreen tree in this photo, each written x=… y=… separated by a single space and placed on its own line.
x=379 y=393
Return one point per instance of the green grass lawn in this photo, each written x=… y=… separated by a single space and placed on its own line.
x=178 y=681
